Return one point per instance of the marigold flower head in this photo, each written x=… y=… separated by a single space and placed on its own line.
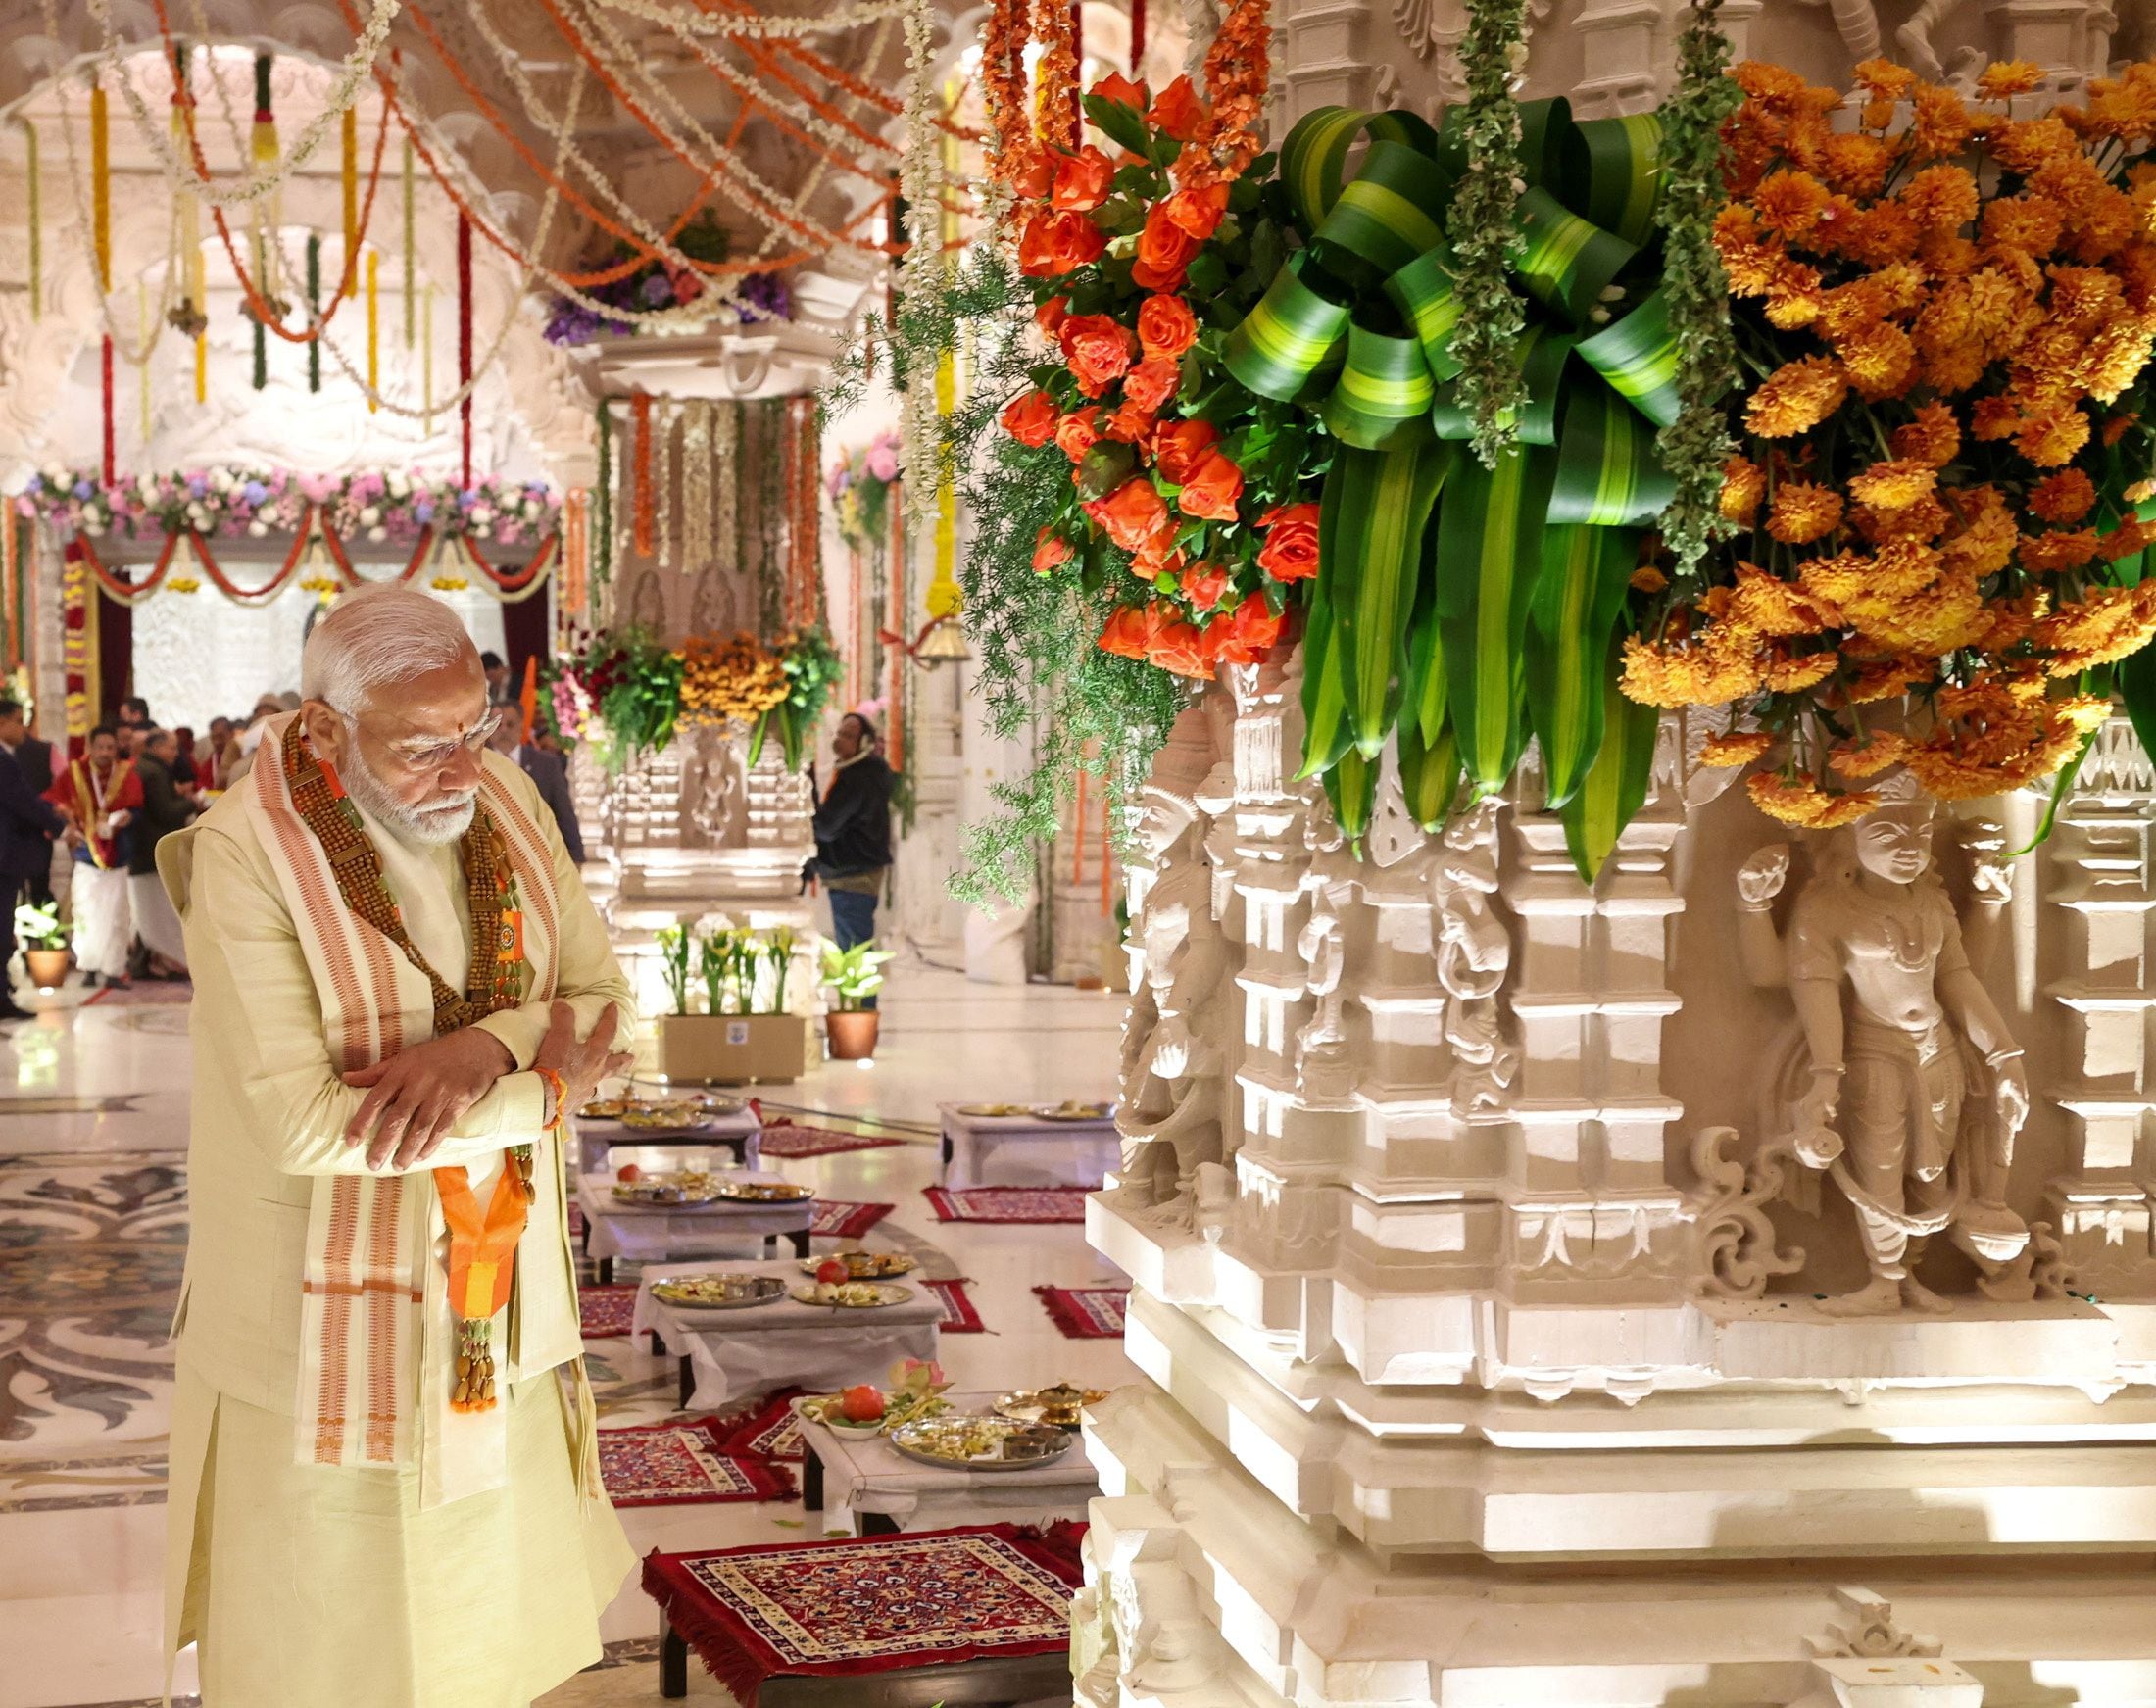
x=1737 y=748
x=1880 y=359
x=2051 y=440
x=1893 y=484
x=1878 y=752
x=1801 y=802
x=1933 y=436
x=1792 y=675
x=1884 y=81
x=1804 y=512
x=1941 y=127
x=1765 y=605
x=2063 y=497
x=2022 y=145
x=1743 y=484
x=1856 y=164
x=1796 y=397
x=1789 y=203
x=1940 y=197
x=1888 y=678
x=2004 y=78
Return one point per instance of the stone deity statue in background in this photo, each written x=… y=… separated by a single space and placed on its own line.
x=1912 y=1089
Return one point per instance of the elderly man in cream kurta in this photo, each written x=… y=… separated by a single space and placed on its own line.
x=384 y=1471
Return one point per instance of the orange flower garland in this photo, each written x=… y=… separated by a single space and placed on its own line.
x=1237 y=72
x=1930 y=496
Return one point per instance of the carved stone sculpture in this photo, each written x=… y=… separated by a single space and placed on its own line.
x=1169 y=1115
x=1911 y=1090
x=1324 y=1072
x=1474 y=951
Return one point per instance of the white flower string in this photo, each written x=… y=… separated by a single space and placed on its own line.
x=696 y=487
x=750 y=25
x=920 y=272
x=726 y=476
x=689 y=317
x=430 y=405
x=356 y=65
x=662 y=477
x=720 y=158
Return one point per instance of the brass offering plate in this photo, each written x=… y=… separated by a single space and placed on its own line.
x=972 y=1442
x=1071 y=1111
x=664 y=1118
x=862 y=1265
x=763 y=1191
x=603 y=1109
x=669 y=1190
x=1060 y=1406
x=860 y=1295
x=718 y=1293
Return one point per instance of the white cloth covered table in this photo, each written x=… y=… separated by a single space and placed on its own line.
x=1072 y=1152
x=733 y=1354
x=871 y=1478
x=641 y=1234
x=740 y=1132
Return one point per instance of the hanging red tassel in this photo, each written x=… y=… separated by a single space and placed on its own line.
x=1138 y=40
x=105 y=367
x=463 y=335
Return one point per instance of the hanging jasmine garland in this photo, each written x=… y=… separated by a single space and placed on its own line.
x=726 y=477
x=601 y=557
x=696 y=487
x=663 y=480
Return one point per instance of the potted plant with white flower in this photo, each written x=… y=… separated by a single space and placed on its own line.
x=44 y=944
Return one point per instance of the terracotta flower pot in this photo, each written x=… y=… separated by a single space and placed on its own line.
x=48 y=967
x=853 y=1035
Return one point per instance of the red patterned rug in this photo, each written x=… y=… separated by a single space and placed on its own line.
x=835 y=1219
x=785 y=1138
x=959 y=1316
x=839 y=1609
x=1010 y=1204
x=684 y=1464
x=763 y=1429
x=143 y=994
x=1086 y=1313
x=604 y=1312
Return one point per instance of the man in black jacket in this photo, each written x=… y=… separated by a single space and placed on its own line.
x=27 y=827
x=853 y=830
x=34 y=758
x=162 y=952
x=549 y=775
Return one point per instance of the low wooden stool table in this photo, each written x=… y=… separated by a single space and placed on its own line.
x=649 y=1234
x=969 y=1138
x=975 y=1614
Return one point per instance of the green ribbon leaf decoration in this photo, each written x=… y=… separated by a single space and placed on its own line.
x=1615 y=786
x=1495 y=620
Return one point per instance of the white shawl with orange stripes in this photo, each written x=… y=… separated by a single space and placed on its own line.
x=371 y=1281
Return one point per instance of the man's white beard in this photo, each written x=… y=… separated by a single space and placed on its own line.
x=442 y=822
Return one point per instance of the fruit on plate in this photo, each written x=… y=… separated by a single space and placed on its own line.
x=861 y=1403
x=628 y=1171
x=831 y=1271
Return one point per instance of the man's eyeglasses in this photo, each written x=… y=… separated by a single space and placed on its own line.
x=425 y=755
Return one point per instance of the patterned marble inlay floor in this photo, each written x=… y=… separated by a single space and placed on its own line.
x=92 y=1236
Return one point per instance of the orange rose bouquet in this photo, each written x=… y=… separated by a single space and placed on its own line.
x=1188 y=499
x=1940 y=503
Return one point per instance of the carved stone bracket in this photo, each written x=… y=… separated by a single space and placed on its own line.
x=1737 y=1254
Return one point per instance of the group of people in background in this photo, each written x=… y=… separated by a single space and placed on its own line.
x=134 y=785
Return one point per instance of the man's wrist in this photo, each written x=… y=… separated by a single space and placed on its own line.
x=502 y=1059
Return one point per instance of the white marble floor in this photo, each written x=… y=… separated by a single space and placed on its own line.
x=94 y=1131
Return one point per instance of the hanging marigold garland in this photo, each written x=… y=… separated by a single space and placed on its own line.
x=77 y=647
x=374 y=328
x=602 y=540
x=348 y=172
x=575 y=583
x=1057 y=114
x=640 y=512
x=463 y=337
x=101 y=238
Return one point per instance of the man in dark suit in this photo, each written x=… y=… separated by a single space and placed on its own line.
x=160 y=952
x=27 y=827
x=549 y=772
x=33 y=758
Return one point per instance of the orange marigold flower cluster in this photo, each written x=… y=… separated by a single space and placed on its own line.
x=729 y=679
x=1951 y=310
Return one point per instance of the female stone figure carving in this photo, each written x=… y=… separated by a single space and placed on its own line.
x=1913 y=1088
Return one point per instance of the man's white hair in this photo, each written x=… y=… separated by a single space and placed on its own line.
x=375 y=638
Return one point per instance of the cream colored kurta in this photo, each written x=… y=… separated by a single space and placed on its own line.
x=383 y=1596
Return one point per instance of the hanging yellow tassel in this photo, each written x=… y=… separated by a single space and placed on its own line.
x=411 y=250
x=426 y=362
x=101 y=185
x=374 y=328
x=350 y=199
